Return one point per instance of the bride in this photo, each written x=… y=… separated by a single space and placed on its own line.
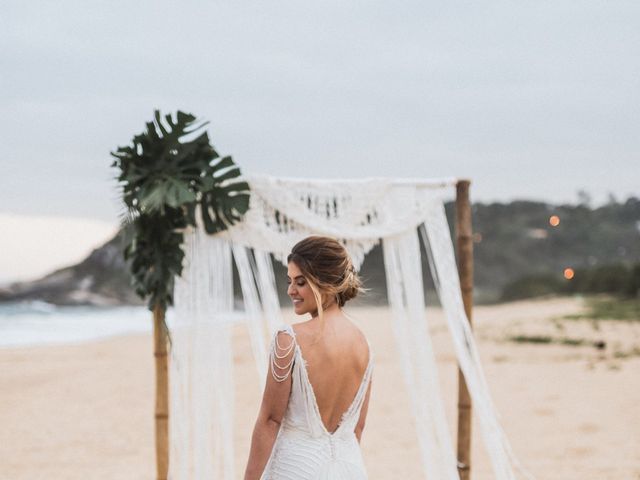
x=318 y=386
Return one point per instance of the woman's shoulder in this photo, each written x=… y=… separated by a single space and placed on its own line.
x=304 y=329
x=295 y=331
x=285 y=329
x=352 y=330
x=284 y=335
x=358 y=342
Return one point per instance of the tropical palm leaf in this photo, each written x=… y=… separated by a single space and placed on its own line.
x=165 y=174
x=162 y=167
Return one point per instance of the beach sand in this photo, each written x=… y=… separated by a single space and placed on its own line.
x=571 y=411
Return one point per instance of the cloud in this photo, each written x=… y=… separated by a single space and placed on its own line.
x=510 y=94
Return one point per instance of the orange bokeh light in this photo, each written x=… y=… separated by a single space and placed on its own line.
x=554 y=220
x=568 y=273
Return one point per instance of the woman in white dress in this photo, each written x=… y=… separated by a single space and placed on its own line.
x=317 y=391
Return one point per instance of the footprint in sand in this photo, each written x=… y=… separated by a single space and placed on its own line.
x=544 y=412
x=588 y=428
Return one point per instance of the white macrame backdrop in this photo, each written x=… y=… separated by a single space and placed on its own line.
x=201 y=384
x=406 y=298
x=359 y=213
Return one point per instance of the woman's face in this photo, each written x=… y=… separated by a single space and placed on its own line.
x=299 y=291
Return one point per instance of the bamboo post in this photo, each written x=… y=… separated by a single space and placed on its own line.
x=162 y=393
x=464 y=251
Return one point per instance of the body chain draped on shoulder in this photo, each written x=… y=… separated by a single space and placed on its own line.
x=304 y=448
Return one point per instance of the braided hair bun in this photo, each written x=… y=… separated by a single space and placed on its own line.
x=326 y=264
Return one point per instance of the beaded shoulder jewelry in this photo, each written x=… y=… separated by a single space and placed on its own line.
x=278 y=353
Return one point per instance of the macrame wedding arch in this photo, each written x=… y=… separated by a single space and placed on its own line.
x=361 y=214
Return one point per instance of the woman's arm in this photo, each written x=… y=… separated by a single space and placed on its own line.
x=363 y=413
x=274 y=404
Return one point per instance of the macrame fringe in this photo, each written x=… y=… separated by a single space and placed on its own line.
x=358 y=213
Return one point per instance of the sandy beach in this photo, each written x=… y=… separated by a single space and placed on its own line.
x=570 y=409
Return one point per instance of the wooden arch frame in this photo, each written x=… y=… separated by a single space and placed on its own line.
x=464 y=256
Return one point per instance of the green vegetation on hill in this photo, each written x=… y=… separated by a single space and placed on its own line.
x=610 y=308
x=515 y=242
x=517 y=254
x=617 y=279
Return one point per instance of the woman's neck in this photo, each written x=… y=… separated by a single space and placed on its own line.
x=330 y=309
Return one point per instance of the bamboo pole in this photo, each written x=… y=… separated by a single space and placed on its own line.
x=162 y=393
x=464 y=251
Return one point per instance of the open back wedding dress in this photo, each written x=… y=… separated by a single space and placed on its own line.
x=304 y=448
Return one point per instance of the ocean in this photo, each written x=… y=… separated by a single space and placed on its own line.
x=38 y=323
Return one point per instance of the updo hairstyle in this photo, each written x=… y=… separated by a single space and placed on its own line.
x=326 y=265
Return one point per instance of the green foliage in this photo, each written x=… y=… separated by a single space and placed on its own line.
x=154 y=253
x=616 y=279
x=530 y=339
x=168 y=174
x=609 y=308
x=531 y=286
x=546 y=339
x=515 y=240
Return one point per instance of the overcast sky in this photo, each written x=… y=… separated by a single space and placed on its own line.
x=529 y=99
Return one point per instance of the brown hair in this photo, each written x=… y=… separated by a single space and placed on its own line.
x=326 y=265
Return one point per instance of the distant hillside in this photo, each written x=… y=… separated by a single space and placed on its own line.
x=100 y=279
x=515 y=240
x=511 y=241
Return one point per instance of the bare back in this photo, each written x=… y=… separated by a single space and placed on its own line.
x=336 y=360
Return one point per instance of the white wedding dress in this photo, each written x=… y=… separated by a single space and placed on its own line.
x=304 y=448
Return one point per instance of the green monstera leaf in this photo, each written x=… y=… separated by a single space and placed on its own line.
x=222 y=201
x=154 y=254
x=172 y=164
x=167 y=174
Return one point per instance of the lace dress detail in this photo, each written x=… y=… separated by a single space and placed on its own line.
x=304 y=448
